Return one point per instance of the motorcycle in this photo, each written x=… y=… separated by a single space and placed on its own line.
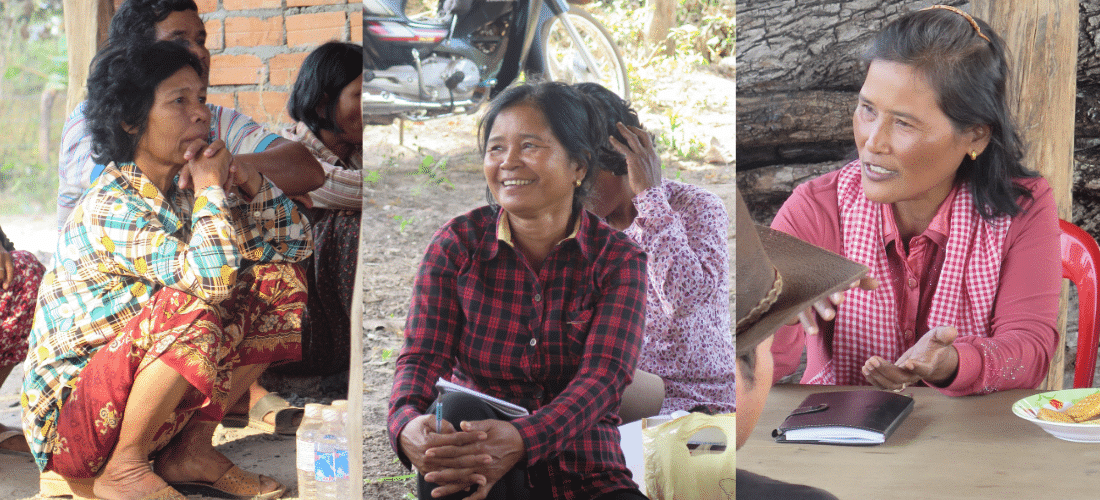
x=431 y=68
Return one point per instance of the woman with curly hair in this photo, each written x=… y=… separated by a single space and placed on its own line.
x=167 y=299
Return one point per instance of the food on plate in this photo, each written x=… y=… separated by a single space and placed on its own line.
x=1086 y=408
x=1054 y=416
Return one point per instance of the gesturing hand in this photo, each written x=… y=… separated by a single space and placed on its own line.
x=933 y=358
x=643 y=166
x=826 y=309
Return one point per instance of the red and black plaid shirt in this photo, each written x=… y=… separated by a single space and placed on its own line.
x=562 y=342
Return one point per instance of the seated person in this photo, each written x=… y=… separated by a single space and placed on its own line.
x=325 y=105
x=532 y=300
x=776 y=278
x=684 y=231
x=962 y=237
x=165 y=302
x=20 y=275
x=288 y=165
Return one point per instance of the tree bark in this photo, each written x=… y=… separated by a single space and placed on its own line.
x=86 y=25
x=1042 y=39
x=662 y=18
x=790 y=45
x=44 y=126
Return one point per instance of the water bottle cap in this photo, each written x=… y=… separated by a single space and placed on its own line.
x=330 y=414
x=340 y=404
x=313 y=410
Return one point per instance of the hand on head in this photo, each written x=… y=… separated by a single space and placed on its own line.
x=7 y=269
x=826 y=309
x=643 y=166
x=933 y=359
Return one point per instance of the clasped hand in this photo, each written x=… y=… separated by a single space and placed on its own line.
x=480 y=454
x=211 y=164
x=933 y=359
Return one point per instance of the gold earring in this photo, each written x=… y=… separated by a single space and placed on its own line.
x=973 y=155
x=578 y=182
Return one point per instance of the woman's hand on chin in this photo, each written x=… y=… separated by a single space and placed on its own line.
x=207 y=165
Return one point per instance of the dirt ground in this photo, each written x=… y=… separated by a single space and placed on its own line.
x=401 y=210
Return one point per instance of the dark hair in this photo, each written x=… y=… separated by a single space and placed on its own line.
x=970 y=77
x=615 y=109
x=575 y=120
x=135 y=21
x=121 y=90
x=324 y=74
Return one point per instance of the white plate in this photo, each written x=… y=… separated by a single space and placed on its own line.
x=1085 y=432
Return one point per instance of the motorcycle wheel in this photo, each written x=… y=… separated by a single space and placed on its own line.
x=561 y=61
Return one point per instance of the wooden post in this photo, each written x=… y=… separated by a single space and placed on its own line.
x=1042 y=41
x=86 y=23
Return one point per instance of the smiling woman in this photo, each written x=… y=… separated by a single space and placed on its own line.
x=962 y=237
x=531 y=300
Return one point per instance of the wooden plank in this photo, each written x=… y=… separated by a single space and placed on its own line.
x=86 y=24
x=1042 y=42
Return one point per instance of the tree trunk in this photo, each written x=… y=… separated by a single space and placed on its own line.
x=794 y=127
x=44 y=112
x=789 y=45
x=662 y=19
x=86 y=24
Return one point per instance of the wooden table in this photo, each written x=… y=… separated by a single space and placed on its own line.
x=947 y=448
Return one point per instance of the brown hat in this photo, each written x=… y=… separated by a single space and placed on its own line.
x=779 y=276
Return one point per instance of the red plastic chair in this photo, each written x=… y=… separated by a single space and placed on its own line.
x=1080 y=259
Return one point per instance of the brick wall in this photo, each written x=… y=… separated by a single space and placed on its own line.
x=257 y=46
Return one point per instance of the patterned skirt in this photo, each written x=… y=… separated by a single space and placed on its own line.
x=258 y=323
x=17 y=304
x=326 y=330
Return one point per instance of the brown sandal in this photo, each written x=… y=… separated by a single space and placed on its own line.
x=235 y=483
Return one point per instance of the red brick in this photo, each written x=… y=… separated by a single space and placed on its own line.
x=207 y=6
x=264 y=107
x=357 y=28
x=306 y=3
x=253 y=31
x=251 y=4
x=315 y=29
x=235 y=70
x=214 y=38
x=284 y=68
x=225 y=100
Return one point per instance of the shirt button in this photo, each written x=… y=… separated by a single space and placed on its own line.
x=256 y=214
x=912 y=283
x=533 y=342
x=538 y=298
x=908 y=334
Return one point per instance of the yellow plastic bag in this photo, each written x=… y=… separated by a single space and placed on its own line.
x=672 y=472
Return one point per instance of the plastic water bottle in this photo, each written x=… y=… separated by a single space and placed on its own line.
x=341 y=405
x=330 y=464
x=306 y=443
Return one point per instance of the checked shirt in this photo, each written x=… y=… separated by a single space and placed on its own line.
x=562 y=342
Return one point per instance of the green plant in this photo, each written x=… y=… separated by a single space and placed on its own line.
x=372 y=177
x=404 y=222
x=434 y=173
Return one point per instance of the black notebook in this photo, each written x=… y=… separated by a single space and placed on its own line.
x=862 y=417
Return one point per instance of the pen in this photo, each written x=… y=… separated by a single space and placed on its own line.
x=439 y=416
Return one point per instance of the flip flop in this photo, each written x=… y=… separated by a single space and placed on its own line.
x=287 y=418
x=51 y=484
x=8 y=434
x=235 y=483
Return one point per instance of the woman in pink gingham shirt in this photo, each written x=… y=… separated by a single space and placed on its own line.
x=961 y=237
